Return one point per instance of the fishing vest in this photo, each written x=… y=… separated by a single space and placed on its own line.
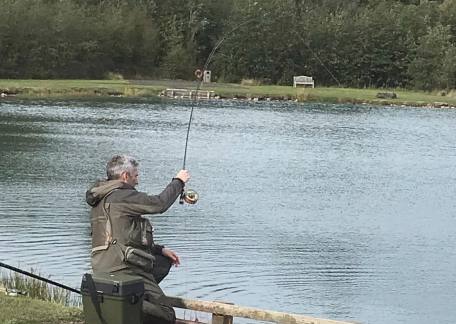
x=120 y=240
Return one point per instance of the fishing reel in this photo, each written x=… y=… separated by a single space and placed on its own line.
x=189 y=196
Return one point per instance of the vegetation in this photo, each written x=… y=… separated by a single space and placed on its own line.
x=36 y=289
x=348 y=43
x=24 y=300
x=74 y=89
x=25 y=310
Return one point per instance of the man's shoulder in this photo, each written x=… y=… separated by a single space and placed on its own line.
x=123 y=193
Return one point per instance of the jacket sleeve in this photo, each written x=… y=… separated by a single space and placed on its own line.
x=157 y=249
x=141 y=203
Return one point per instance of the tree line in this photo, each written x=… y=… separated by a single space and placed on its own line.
x=352 y=43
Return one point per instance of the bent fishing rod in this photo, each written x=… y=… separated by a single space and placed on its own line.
x=191 y=196
x=29 y=274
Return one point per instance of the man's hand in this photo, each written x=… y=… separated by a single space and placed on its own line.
x=172 y=255
x=184 y=175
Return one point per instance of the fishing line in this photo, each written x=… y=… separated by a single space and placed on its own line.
x=29 y=274
x=190 y=196
x=200 y=81
x=319 y=60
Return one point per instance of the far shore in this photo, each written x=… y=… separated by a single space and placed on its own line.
x=71 y=89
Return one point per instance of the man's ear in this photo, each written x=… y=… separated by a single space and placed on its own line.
x=124 y=176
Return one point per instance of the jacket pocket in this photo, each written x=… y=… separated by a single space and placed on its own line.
x=139 y=258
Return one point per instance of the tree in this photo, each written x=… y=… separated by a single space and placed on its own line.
x=427 y=70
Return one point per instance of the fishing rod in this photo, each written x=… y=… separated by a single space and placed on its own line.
x=191 y=196
x=29 y=274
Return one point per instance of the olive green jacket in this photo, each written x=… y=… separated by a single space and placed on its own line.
x=117 y=221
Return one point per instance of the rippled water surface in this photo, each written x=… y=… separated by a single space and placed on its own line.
x=342 y=212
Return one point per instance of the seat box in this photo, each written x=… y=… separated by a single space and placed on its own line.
x=110 y=298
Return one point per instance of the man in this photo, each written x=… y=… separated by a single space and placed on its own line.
x=122 y=239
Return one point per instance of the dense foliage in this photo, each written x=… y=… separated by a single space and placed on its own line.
x=360 y=43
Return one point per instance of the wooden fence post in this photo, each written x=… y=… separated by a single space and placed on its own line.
x=220 y=318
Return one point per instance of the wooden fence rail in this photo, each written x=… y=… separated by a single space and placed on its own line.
x=228 y=310
x=188 y=93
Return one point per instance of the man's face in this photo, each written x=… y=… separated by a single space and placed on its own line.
x=132 y=178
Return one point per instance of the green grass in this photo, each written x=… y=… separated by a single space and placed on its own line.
x=76 y=88
x=404 y=97
x=38 y=302
x=26 y=310
x=151 y=88
x=37 y=289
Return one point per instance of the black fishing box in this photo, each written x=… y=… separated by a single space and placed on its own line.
x=109 y=298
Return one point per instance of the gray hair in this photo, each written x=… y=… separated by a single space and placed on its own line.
x=119 y=164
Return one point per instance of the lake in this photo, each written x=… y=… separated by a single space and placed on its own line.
x=336 y=211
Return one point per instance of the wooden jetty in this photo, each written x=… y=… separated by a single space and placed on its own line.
x=188 y=94
x=223 y=313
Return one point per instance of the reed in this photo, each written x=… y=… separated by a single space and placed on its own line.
x=17 y=284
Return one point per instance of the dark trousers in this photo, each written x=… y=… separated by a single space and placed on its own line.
x=153 y=310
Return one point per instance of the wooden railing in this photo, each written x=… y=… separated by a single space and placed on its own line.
x=223 y=313
x=188 y=93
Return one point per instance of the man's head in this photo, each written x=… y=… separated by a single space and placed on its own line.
x=123 y=167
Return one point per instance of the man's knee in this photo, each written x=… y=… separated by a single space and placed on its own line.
x=158 y=314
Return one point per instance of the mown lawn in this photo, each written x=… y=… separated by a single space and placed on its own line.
x=151 y=88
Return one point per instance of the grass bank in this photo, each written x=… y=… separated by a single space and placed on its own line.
x=27 y=300
x=152 y=88
x=26 y=310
